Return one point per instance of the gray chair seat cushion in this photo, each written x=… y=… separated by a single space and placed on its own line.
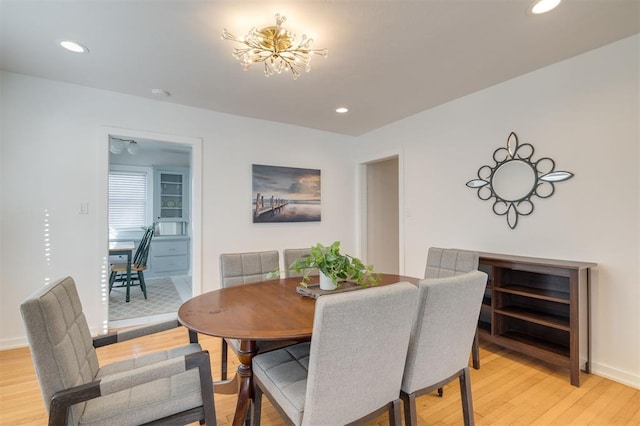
x=145 y=403
x=149 y=401
x=284 y=373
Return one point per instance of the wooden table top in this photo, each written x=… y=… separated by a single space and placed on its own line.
x=265 y=310
x=121 y=245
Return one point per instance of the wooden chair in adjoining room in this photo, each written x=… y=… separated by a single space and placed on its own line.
x=446 y=321
x=173 y=386
x=351 y=371
x=138 y=266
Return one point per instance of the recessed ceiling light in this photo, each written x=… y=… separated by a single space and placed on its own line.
x=342 y=110
x=160 y=93
x=544 y=6
x=72 y=46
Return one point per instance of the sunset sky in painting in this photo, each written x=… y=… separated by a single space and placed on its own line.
x=286 y=182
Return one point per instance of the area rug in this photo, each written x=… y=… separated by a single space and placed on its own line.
x=162 y=298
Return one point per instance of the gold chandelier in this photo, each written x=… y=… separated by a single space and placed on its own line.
x=276 y=48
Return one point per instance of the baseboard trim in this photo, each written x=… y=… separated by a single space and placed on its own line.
x=17 y=342
x=616 y=375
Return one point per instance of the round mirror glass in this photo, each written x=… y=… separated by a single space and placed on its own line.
x=513 y=180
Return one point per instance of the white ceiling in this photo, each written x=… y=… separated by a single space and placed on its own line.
x=387 y=59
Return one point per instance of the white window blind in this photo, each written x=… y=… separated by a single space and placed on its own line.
x=127 y=199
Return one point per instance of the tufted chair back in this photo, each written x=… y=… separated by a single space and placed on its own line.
x=449 y=262
x=61 y=344
x=244 y=268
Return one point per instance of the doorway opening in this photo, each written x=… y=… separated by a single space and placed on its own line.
x=380 y=206
x=169 y=202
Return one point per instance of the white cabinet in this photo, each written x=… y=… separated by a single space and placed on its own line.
x=169 y=256
x=171 y=199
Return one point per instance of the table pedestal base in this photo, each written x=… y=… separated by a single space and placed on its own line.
x=242 y=382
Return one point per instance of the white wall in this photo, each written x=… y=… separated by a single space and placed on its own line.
x=584 y=114
x=53 y=145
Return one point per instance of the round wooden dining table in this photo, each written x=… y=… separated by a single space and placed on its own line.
x=265 y=310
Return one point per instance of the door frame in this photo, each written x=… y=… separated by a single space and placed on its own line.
x=195 y=143
x=361 y=196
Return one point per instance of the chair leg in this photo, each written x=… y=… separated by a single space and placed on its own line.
x=410 y=414
x=223 y=361
x=475 y=356
x=112 y=279
x=465 y=394
x=128 y=293
x=143 y=285
x=257 y=404
x=475 y=351
x=395 y=416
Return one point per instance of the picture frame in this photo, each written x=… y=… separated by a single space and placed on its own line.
x=285 y=194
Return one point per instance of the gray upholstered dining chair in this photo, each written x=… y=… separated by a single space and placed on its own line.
x=168 y=387
x=445 y=323
x=290 y=255
x=352 y=368
x=449 y=262
x=246 y=268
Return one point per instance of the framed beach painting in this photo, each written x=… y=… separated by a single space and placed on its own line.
x=285 y=194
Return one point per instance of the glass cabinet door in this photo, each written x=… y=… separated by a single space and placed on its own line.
x=171 y=195
x=172 y=202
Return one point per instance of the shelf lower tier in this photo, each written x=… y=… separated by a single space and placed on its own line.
x=554 y=354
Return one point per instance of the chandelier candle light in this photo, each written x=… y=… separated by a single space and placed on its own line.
x=277 y=48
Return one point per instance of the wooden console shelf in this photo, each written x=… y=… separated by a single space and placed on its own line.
x=539 y=307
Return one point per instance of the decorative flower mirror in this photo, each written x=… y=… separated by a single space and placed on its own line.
x=515 y=179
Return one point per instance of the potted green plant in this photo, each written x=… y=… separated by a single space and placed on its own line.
x=334 y=267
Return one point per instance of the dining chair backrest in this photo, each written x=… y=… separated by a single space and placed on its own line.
x=142 y=252
x=290 y=255
x=448 y=262
x=61 y=344
x=357 y=352
x=244 y=268
x=444 y=328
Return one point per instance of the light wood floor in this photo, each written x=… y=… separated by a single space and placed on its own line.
x=509 y=389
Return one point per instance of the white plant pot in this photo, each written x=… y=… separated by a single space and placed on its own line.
x=326 y=283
